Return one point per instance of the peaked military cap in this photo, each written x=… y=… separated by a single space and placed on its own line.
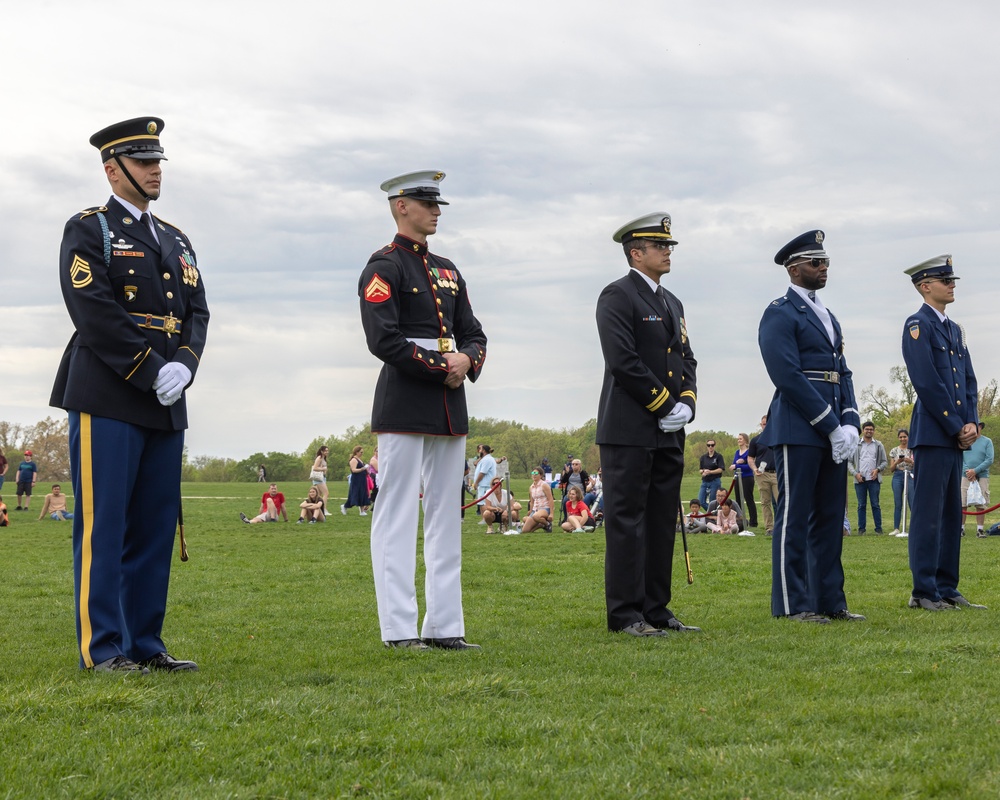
x=808 y=245
x=654 y=227
x=137 y=138
x=937 y=267
x=423 y=185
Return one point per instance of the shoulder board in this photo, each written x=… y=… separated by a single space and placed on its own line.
x=95 y=210
x=160 y=219
x=780 y=300
x=385 y=250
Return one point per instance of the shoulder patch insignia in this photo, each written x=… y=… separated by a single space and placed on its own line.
x=79 y=273
x=914 y=331
x=377 y=290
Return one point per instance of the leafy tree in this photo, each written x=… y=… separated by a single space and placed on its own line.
x=48 y=441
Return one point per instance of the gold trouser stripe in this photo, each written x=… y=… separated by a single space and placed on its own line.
x=86 y=550
x=659 y=401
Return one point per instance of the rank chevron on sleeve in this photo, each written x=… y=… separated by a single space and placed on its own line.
x=377 y=290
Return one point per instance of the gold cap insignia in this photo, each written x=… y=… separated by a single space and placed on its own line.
x=438 y=176
x=151 y=127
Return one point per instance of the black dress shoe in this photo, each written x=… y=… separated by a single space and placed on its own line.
x=406 y=644
x=120 y=664
x=675 y=624
x=167 y=663
x=846 y=616
x=452 y=643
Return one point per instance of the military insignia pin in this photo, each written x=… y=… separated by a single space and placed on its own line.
x=377 y=290
x=127 y=220
x=130 y=293
x=819 y=237
x=79 y=273
x=189 y=272
x=151 y=127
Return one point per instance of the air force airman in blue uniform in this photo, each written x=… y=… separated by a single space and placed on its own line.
x=137 y=301
x=944 y=423
x=812 y=428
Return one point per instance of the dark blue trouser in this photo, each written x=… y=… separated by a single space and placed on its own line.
x=936 y=531
x=806 y=571
x=126 y=483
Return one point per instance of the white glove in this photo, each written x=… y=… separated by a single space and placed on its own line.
x=678 y=417
x=170 y=382
x=843 y=440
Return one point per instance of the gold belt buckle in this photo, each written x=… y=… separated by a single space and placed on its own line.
x=170 y=324
x=444 y=345
x=833 y=377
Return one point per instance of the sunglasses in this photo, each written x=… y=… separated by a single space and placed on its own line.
x=945 y=281
x=817 y=262
x=534 y=472
x=710 y=444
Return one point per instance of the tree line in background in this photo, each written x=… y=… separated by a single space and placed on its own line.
x=523 y=446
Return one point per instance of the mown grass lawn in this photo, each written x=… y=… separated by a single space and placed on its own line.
x=296 y=696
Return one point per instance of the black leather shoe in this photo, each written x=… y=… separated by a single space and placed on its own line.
x=809 y=616
x=120 y=664
x=958 y=600
x=846 y=616
x=406 y=644
x=167 y=663
x=453 y=643
x=675 y=624
x=642 y=628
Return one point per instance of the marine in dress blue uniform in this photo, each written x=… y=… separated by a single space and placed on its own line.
x=419 y=322
x=648 y=395
x=135 y=294
x=944 y=423
x=811 y=428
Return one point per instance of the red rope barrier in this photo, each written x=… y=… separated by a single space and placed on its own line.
x=729 y=491
x=493 y=485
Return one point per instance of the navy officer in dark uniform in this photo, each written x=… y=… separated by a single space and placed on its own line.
x=812 y=427
x=944 y=422
x=137 y=301
x=419 y=322
x=648 y=396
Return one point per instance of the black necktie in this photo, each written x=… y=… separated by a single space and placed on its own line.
x=147 y=220
x=812 y=296
x=663 y=298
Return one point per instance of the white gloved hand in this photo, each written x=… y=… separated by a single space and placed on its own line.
x=843 y=440
x=836 y=445
x=679 y=416
x=170 y=382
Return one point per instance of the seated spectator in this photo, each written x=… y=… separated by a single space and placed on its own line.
x=725 y=519
x=495 y=508
x=597 y=490
x=693 y=521
x=576 y=475
x=720 y=496
x=578 y=517
x=55 y=505
x=3 y=514
x=313 y=508
x=271 y=505
x=540 y=504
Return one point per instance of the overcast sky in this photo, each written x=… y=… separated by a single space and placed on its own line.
x=556 y=122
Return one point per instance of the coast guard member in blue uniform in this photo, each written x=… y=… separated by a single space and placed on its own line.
x=648 y=396
x=419 y=322
x=944 y=423
x=134 y=293
x=812 y=428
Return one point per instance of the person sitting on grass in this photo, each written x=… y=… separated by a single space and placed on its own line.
x=495 y=508
x=725 y=519
x=578 y=519
x=55 y=505
x=271 y=505
x=313 y=508
x=541 y=504
x=694 y=522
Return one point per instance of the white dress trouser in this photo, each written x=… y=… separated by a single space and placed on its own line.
x=404 y=461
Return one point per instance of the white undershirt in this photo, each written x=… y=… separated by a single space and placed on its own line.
x=820 y=309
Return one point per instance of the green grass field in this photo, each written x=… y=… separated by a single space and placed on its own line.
x=296 y=696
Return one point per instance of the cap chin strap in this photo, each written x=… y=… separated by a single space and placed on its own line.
x=132 y=180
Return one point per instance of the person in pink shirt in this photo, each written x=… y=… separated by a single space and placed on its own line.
x=725 y=519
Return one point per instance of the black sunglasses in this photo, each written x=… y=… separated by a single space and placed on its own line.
x=945 y=281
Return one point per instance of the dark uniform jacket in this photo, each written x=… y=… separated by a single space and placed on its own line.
x=110 y=363
x=940 y=369
x=648 y=364
x=795 y=347
x=408 y=293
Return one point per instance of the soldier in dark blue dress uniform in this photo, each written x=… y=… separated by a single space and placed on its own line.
x=648 y=396
x=812 y=427
x=137 y=301
x=944 y=423
x=419 y=322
